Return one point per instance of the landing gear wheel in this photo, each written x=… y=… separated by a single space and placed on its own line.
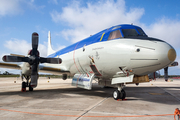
x=122 y=94
x=116 y=94
x=119 y=95
x=30 y=88
x=23 y=87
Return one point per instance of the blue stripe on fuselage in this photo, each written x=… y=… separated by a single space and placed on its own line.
x=80 y=44
x=91 y=40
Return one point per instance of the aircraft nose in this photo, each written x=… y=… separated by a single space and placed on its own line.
x=151 y=56
x=166 y=54
x=172 y=54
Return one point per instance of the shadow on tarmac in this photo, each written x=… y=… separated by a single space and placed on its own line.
x=151 y=94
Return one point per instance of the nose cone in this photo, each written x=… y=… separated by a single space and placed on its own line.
x=171 y=54
x=166 y=54
x=152 y=56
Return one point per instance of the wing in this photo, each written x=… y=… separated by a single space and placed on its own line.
x=42 y=68
x=53 y=70
x=10 y=66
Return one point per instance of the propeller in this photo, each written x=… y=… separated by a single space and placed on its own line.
x=166 y=70
x=33 y=59
x=166 y=74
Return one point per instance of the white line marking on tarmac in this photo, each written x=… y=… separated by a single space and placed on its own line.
x=169 y=93
x=91 y=108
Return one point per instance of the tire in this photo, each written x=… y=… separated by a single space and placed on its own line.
x=23 y=87
x=23 y=84
x=122 y=94
x=119 y=95
x=30 y=88
x=116 y=94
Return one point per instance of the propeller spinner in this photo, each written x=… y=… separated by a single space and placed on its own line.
x=33 y=59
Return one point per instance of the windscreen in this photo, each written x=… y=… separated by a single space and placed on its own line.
x=129 y=32
x=141 y=32
x=133 y=33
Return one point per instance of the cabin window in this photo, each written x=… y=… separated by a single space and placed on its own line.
x=115 y=34
x=129 y=32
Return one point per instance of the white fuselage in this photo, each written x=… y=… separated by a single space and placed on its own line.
x=140 y=56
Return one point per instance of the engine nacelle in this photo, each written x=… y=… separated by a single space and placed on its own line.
x=26 y=69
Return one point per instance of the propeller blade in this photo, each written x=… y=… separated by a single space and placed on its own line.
x=34 y=79
x=35 y=40
x=51 y=60
x=9 y=58
x=173 y=64
x=17 y=55
x=166 y=74
x=34 y=75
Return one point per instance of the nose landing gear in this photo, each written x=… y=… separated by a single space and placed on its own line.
x=120 y=93
x=26 y=84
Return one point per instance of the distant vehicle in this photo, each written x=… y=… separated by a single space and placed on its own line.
x=116 y=56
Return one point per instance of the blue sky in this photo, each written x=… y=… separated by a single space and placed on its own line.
x=72 y=20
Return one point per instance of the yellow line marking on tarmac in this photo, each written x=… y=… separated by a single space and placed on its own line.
x=156 y=93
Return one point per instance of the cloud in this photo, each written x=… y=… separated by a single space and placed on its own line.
x=178 y=60
x=165 y=29
x=22 y=47
x=14 y=7
x=83 y=21
x=59 y=47
x=86 y=20
x=10 y=7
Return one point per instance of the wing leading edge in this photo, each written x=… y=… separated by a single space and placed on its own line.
x=42 y=68
x=10 y=66
x=52 y=70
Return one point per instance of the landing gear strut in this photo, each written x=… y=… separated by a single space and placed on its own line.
x=120 y=93
x=26 y=84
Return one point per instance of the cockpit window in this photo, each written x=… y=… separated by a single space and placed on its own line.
x=133 y=32
x=141 y=32
x=129 y=32
x=115 y=34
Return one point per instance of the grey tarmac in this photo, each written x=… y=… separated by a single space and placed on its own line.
x=56 y=99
